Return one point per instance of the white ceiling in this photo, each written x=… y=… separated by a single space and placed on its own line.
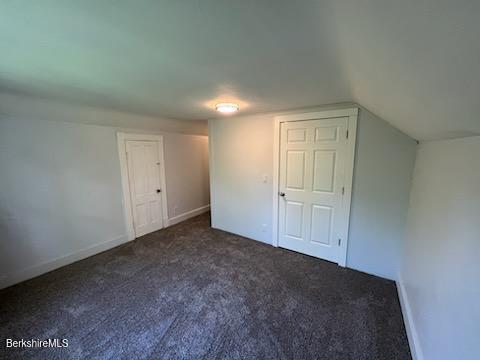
x=414 y=63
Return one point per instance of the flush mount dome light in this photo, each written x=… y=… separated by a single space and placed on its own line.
x=226 y=108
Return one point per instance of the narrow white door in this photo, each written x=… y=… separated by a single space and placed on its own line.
x=313 y=160
x=145 y=192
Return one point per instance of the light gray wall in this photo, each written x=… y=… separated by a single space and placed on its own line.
x=384 y=164
x=440 y=273
x=61 y=195
x=60 y=192
x=242 y=153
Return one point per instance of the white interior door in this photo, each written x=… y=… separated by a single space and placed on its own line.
x=312 y=178
x=145 y=191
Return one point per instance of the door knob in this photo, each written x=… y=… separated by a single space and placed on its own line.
x=159 y=191
x=282 y=194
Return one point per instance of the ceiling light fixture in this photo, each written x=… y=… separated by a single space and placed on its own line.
x=226 y=108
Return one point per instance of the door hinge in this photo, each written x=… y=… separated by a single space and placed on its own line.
x=347 y=134
x=343 y=190
x=339 y=242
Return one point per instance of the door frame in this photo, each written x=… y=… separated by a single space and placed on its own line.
x=122 y=139
x=352 y=114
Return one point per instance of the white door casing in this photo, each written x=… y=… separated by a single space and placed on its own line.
x=315 y=169
x=143 y=181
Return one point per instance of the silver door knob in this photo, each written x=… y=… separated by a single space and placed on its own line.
x=282 y=194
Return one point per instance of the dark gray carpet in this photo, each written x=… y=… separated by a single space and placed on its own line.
x=190 y=292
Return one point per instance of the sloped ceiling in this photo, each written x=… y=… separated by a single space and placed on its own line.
x=414 y=63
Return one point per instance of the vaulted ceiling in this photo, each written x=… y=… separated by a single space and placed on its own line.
x=414 y=63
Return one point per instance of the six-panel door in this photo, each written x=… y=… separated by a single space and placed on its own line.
x=312 y=172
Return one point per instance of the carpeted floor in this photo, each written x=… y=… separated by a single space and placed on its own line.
x=190 y=292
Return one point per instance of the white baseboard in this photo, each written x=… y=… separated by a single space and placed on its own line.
x=34 y=271
x=187 y=215
x=58 y=262
x=413 y=340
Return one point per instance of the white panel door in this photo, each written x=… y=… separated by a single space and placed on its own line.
x=145 y=192
x=311 y=186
